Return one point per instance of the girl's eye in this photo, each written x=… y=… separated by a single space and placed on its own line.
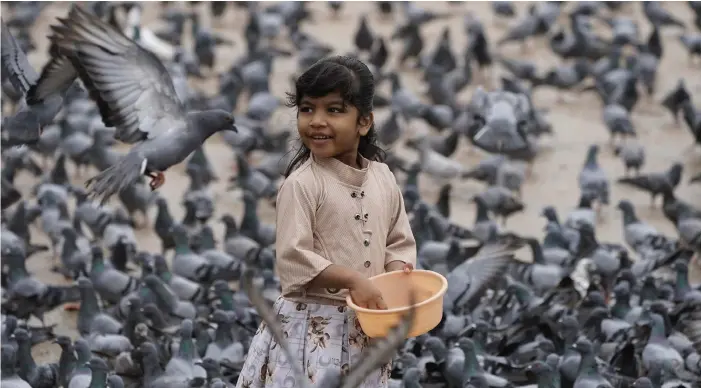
x=335 y=110
x=305 y=109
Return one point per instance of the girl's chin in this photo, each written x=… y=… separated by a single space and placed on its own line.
x=323 y=149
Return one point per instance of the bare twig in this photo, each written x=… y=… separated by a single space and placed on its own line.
x=266 y=313
x=379 y=354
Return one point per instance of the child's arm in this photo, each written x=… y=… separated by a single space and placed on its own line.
x=336 y=276
x=401 y=246
x=297 y=263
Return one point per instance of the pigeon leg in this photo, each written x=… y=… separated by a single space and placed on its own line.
x=157 y=180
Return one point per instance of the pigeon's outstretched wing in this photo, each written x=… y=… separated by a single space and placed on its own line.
x=132 y=88
x=56 y=76
x=14 y=62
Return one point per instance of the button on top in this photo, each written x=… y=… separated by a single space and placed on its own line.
x=367 y=264
x=366 y=242
x=353 y=194
x=366 y=216
x=362 y=194
x=357 y=216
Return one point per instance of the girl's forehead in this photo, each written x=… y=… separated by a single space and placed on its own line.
x=331 y=98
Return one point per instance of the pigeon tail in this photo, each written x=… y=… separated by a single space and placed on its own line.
x=56 y=296
x=117 y=177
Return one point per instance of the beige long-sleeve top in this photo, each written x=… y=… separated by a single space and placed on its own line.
x=331 y=213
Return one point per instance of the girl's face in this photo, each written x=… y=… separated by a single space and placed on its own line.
x=330 y=128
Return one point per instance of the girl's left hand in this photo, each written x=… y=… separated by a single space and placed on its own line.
x=408 y=267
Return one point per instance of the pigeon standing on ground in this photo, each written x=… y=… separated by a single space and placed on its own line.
x=135 y=94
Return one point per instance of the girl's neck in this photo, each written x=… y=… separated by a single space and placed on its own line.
x=352 y=159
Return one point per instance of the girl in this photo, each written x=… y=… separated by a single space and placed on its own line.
x=340 y=220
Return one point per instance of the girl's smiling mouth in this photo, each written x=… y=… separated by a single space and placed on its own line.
x=319 y=139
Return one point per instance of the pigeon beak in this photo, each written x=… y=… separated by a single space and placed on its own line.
x=233 y=128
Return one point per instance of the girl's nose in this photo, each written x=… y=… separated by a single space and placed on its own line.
x=318 y=120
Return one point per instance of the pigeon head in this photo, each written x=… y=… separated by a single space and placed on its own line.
x=549 y=213
x=434 y=345
x=622 y=290
x=98 y=364
x=186 y=328
x=538 y=368
x=642 y=382
x=625 y=205
x=583 y=346
x=626 y=275
x=146 y=351
x=249 y=198
x=467 y=345
x=220 y=286
x=215 y=120
x=142 y=258
x=220 y=316
x=568 y=322
x=591 y=154
x=63 y=341
x=681 y=267
x=80 y=194
x=161 y=202
x=160 y=264
x=21 y=335
x=152 y=281
x=96 y=251
x=69 y=233
x=179 y=233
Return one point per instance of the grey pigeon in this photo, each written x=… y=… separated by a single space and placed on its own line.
x=618 y=122
x=26 y=125
x=633 y=155
x=635 y=231
x=592 y=178
x=656 y=183
x=108 y=63
x=10 y=378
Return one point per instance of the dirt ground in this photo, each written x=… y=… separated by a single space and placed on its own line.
x=577 y=123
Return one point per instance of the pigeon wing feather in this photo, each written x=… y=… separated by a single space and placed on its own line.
x=15 y=63
x=133 y=90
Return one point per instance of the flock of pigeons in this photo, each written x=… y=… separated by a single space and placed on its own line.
x=585 y=313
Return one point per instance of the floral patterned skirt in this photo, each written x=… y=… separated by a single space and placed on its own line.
x=322 y=337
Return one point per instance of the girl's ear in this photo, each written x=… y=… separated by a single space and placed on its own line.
x=365 y=123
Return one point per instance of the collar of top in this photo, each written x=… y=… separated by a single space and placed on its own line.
x=343 y=172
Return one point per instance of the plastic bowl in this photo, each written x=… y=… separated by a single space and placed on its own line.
x=429 y=288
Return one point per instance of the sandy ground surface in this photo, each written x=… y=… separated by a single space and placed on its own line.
x=577 y=123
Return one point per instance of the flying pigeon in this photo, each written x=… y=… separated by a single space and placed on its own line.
x=134 y=94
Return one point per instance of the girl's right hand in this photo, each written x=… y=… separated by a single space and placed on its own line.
x=365 y=294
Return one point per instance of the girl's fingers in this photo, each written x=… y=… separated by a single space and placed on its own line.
x=408 y=267
x=381 y=305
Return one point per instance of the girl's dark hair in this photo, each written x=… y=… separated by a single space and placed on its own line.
x=352 y=79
